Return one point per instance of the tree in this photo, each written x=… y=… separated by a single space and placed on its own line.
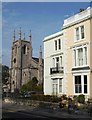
x=30 y=86
x=34 y=81
x=5 y=74
x=39 y=88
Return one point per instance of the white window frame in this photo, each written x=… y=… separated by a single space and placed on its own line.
x=80 y=57
x=75 y=39
x=78 y=85
x=81 y=32
x=60 y=63
x=78 y=33
x=60 y=85
x=57 y=84
x=57 y=44
x=73 y=56
x=82 y=83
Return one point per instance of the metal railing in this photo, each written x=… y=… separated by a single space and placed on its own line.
x=55 y=70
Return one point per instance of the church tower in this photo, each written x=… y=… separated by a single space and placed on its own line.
x=20 y=60
x=23 y=66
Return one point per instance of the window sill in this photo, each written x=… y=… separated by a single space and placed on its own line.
x=75 y=41
x=81 y=68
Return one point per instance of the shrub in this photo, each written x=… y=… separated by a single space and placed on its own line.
x=81 y=98
x=90 y=109
x=54 y=99
x=41 y=97
x=64 y=97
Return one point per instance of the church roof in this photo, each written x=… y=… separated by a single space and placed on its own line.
x=37 y=59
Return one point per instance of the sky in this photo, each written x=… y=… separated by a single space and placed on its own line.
x=42 y=18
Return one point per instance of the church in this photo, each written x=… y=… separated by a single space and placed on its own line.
x=23 y=65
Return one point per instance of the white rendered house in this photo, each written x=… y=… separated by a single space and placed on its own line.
x=54 y=83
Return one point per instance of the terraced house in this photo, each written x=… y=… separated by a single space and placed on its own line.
x=68 y=58
x=54 y=64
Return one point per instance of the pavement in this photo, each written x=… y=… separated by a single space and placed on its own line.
x=58 y=113
x=52 y=112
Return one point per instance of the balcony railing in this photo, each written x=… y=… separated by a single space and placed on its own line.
x=55 y=70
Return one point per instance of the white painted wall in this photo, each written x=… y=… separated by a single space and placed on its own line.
x=49 y=53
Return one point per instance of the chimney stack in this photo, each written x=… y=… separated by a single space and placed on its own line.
x=81 y=9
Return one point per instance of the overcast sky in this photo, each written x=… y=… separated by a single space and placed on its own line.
x=42 y=18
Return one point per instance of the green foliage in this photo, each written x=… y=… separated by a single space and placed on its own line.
x=81 y=98
x=63 y=97
x=75 y=98
x=31 y=86
x=26 y=87
x=5 y=74
x=41 y=97
x=38 y=88
x=34 y=81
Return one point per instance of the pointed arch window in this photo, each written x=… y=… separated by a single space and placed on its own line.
x=24 y=49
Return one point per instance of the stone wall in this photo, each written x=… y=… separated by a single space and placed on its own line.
x=33 y=103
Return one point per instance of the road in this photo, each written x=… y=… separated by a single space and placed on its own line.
x=17 y=115
x=17 y=112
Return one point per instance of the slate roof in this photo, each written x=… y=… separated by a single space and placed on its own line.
x=37 y=59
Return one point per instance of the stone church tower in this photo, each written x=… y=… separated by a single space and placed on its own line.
x=23 y=66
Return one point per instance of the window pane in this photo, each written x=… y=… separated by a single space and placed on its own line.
x=74 y=57
x=86 y=55
x=61 y=61
x=77 y=33
x=85 y=88
x=60 y=81
x=57 y=59
x=60 y=85
x=82 y=32
x=55 y=81
x=55 y=45
x=80 y=90
x=78 y=87
x=77 y=79
x=85 y=83
x=85 y=79
x=80 y=56
x=60 y=88
x=59 y=44
x=57 y=62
